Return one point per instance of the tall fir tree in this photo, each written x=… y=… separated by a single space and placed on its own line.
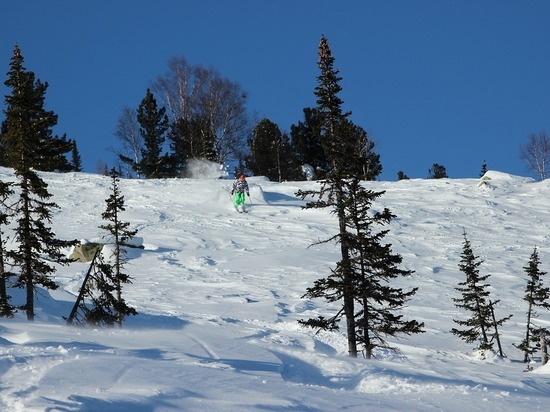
x=26 y=116
x=475 y=300
x=27 y=127
x=340 y=149
x=111 y=273
x=373 y=267
x=536 y=296
x=153 y=123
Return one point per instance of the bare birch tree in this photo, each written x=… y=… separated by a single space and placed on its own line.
x=201 y=95
x=536 y=153
x=132 y=141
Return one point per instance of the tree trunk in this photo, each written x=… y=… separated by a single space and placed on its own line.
x=543 y=348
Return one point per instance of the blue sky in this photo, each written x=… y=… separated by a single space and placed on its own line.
x=432 y=81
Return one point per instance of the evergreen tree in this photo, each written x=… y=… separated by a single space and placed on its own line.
x=190 y=139
x=340 y=150
x=111 y=276
x=76 y=160
x=402 y=176
x=483 y=169
x=270 y=152
x=373 y=267
x=26 y=128
x=367 y=161
x=475 y=299
x=306 y=142
x=26 y=117
x=6 y=309
x=536 y=296
x=437 y=172
x=153 y=124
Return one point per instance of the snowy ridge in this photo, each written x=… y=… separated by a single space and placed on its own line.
x=219 y=295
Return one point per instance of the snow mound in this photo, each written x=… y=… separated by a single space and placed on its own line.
x=493 y=179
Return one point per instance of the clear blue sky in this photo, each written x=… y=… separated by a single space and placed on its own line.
x=432 y=81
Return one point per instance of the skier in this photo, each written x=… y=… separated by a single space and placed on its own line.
x=240 y=187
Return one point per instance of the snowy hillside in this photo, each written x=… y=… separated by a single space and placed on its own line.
x=219 y=295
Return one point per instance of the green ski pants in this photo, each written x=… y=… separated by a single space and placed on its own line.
x=239 y=199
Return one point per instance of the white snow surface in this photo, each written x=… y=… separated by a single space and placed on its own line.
x=219 y=296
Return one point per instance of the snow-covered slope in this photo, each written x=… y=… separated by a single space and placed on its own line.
x=219 y=295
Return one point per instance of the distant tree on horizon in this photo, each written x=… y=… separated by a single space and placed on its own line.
x=402 y=176
x=270 y=153
x=483 y=169
x=437 y=171
x=203 y=98
x=127 y=132
x=306 y=142
x=153 y=125
x=76 y=160
x=536 y=153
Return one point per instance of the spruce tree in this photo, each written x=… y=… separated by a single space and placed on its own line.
x=306 y=142
x=76 y=160
x=483 y=169
x=536 y=296
x=153 y=124
x=373 y=267
x=402 y=176
x=6 y=309
x=366 y=160
x=270 y=153
x=475 y=300
x=437 y=171
x=111 y=275
x=25 y=115
x=27 y=127
x=340 y=148
x=339 y=153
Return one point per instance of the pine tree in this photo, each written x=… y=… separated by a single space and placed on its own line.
x=373 y=266
x=6 y=309
x=25 y=128
x=475 y=299
x=437 y=172
x=536 y=296
x=270 y=153
x=153 y=124
x=111 y=276
x=306 y=142
x=27 y=123
x=190 y=139
x=76 y=160
x=402 y=176
x=366 y=160
x=340 y=149
x=483 y=169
